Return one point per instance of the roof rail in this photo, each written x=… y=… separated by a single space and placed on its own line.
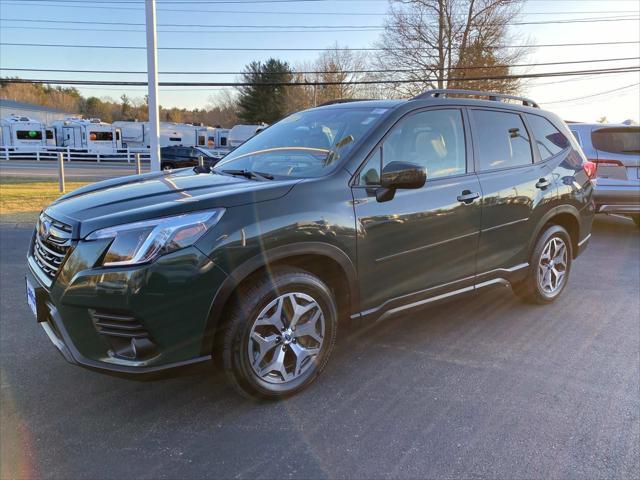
x=343 y=100
x=493 y=96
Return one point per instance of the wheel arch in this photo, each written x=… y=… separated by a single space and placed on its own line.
x=566 y=216
x=324 y=260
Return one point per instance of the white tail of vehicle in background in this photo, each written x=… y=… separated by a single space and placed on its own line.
x=92 y=136
x=20 y=131
x=241 y=133
x=136 y=135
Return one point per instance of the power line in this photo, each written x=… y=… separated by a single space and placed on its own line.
x=216 y=2
x=216 y=32
x=242 y=2
x=323 y=83
x=289 y=12
x=312 y=72
x=593 y=95
x=312 y=27
x=296 y=49
x=193 y=25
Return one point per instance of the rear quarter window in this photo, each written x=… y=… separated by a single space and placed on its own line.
x=617 y=140
x=549 y=140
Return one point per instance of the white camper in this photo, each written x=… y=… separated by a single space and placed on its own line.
x=137 y=135
x=241 y=133
x=217 y=138
x=91 y=136
x=24 y=132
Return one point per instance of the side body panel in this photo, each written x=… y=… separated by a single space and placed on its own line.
x=421 y=239
x=513 y=204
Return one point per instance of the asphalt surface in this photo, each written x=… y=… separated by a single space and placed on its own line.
x=482 y=387
x=47 y=169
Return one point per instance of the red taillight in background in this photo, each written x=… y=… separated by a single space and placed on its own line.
x=612 y=163
x=591 y=165
x=590 y=168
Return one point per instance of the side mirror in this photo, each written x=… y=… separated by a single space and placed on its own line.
x=403 y=175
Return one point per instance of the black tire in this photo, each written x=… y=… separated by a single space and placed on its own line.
x=167 y=166
x=530 y=288
x=249 y=301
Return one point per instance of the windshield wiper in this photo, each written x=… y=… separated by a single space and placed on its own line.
x=248 y=174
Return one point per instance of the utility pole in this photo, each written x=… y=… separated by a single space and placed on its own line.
x=152 y=79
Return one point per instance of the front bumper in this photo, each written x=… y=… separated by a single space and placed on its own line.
x=169 y=301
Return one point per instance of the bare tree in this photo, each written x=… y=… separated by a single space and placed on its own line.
x=336 y=67
x=437 y=43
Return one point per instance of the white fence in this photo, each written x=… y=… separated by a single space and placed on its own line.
x=127 y=155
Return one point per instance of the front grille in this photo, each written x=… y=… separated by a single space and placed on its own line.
x=117 y=325
x=52 y=241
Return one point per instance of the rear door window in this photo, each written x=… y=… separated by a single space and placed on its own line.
x=501 y=140
x=548 y=138
x=625 y=140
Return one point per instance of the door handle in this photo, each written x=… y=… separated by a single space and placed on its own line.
x=468 y=196
x=542 y=183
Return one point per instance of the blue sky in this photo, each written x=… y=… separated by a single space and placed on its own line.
x=617 y=106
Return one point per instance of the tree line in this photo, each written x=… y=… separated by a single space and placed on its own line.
x=425 y=44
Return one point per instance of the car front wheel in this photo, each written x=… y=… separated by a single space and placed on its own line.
x=280 y=332
x=549 y=267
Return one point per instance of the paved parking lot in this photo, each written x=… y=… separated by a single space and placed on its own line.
x=480 y=387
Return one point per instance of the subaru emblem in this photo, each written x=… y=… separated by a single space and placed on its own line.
x=45 y=229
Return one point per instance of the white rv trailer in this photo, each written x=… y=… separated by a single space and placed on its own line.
x=137 y=135
x=241 y=133
x=91 y=136
x=24 y=132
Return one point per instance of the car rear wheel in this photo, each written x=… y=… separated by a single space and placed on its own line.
x=280 y=332
x=549 y=267
x=168 y=166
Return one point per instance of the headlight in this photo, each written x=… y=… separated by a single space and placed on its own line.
x=141 y=242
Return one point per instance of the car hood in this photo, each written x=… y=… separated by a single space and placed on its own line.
x=158 y=194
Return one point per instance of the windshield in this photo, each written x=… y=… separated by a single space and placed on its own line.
x=305 y=144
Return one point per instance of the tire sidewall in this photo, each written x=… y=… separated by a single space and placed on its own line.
x=281 y=284
x=551 y=232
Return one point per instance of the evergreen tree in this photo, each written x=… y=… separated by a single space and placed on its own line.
x=262 y=101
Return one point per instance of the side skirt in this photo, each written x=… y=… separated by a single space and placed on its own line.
x=501 y=276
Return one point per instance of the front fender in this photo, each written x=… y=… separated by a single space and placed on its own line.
x=315 y=218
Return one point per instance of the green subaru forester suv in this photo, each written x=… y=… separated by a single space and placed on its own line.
x=353 y=210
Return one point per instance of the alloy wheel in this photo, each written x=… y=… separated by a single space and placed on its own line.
x=552 y=267
x=286 y=337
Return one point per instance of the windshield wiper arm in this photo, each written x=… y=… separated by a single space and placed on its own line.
x=248 y=174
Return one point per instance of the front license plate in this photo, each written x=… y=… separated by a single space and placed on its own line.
x=31 y=298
